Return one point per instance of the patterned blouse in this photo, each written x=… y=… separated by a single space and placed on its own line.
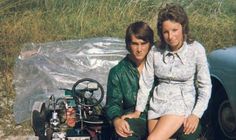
x=184 y=86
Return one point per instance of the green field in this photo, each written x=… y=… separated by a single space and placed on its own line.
x=212 y=22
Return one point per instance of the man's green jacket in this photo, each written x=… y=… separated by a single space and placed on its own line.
x=122 y=88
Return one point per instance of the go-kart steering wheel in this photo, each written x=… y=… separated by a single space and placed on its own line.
x=88 y=92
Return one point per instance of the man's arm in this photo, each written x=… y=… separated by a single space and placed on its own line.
x=113 y=106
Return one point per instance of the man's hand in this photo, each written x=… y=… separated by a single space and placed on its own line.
x=122 y=127
x=191 y=124
x=133 y=115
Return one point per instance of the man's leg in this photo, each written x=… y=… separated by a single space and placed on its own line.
x=139 y=127
x=193 y=136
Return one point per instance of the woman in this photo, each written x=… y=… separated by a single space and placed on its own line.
x=184 y=87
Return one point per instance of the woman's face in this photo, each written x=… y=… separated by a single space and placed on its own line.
x=173 y=34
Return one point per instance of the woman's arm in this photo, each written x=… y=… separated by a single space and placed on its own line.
x=203 y=82
x=145 y=82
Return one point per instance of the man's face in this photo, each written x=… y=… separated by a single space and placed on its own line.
x=139 y=49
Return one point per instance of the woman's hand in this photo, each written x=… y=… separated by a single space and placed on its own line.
x=122 y=127
x=133 y=115
x=191 y=124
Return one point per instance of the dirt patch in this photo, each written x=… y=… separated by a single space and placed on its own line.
x=9 y=130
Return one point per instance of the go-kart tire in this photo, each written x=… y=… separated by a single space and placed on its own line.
x=38 y=125
x=38 y=120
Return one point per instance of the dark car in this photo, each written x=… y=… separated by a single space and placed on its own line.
x=220 y=116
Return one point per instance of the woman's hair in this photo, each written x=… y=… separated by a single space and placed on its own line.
x=176 y=13
x=140 y=30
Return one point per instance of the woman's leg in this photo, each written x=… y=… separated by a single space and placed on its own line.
x=166 y=126
x=151 y=125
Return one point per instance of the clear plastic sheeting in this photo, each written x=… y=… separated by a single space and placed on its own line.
x=41 y=69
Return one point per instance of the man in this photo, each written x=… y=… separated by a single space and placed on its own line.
x=123 y=83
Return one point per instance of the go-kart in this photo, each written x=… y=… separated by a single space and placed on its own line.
x=75 y=116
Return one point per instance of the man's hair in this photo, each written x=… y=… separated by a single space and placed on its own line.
x=176 y=13
x=140 y=30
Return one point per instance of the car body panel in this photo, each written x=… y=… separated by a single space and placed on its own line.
x=222 y=64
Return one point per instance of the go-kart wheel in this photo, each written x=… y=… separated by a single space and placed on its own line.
x=88 y=92
x=38 y=119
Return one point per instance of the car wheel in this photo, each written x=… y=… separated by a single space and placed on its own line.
x=226 y=120
x=218 y=121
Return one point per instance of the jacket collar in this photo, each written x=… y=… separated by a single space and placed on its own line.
x=130 y=63
x=179 y=53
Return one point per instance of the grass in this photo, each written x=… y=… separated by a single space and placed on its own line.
x=212 y=23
